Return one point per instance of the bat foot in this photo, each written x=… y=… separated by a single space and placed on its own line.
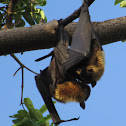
x=57 y=123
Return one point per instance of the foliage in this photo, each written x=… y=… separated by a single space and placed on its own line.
x=32 y=117
x=123 y=4
x=25 y=10
x=118 y=1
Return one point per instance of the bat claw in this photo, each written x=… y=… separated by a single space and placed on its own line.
x=57 y=123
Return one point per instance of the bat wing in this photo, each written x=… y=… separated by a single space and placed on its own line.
x=45 y=93
x=81 y=40
x=61 y=53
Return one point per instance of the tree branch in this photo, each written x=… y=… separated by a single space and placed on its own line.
x=74 y=15
x=9 y=16
x=43 y=36
x=21 y=64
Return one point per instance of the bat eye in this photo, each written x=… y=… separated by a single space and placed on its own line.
x=90 y=70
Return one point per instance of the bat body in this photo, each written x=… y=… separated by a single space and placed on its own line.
x=72 y=69
x=55 y=82
x=65 y=87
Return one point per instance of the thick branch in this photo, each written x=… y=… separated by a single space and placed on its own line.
x=44 y=36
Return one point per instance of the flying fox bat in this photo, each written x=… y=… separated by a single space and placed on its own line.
x=54 y=82
x=72 y=69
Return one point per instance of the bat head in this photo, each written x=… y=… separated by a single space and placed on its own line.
x=94 y=70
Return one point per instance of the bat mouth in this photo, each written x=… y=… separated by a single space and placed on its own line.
x=87 y=77
x=86 y=74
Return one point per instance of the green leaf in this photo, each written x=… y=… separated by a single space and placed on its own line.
x=118 y=1
x=38 y=15
x=33 y=118
x=19 y=6
x=26 y=2
x=52 y=124
x=3 y=8
x=27 y=16
x=42 y=123
x=28 y=104
x=1 y=17
x=46 y=124
x=124 y=41
x=123 y=4
x=35 y=114
x=19 y=23
x=41 y=2
x=41 y=12
x=35 y=123
x=25 y=122
x=47 y=118
x=44 y=108
x=4 y=1
x=20 y=116
x=17 y=16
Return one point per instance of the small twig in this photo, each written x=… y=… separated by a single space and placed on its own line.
x=46 y=56
x=21 y=64
x=16 y=71
x=29 y=69
x=22 y=87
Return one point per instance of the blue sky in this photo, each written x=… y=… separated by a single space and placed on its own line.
x=106 y=104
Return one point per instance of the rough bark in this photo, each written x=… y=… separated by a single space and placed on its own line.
x=43 y=36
